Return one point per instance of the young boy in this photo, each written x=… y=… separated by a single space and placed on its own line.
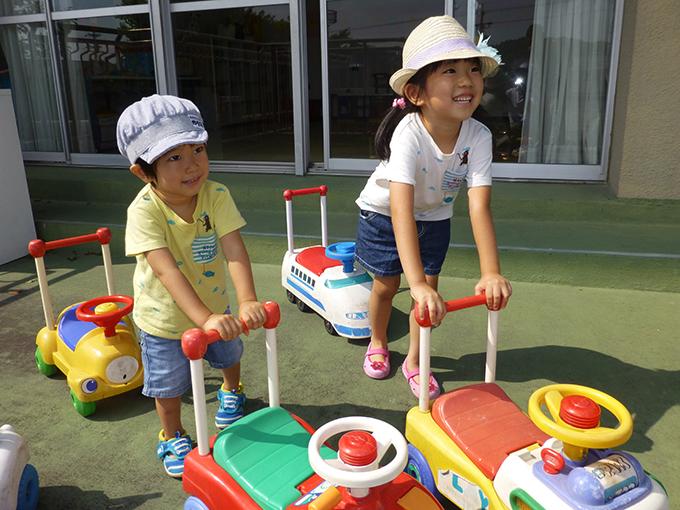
x=175 y=228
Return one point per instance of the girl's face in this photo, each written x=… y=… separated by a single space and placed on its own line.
x=180 y=172
x=453 y=91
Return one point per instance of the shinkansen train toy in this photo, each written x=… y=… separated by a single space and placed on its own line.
x=273 y=460
x=93 y=343
x=476 y=448
x=324 y=278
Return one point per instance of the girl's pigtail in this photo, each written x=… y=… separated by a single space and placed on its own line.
x=383 y=137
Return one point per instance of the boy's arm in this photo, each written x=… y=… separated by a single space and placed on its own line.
x=238 y=262
x=498 y=289
x=165 y=268
x=406 y=236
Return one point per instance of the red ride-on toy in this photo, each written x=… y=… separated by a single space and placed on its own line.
x=273 y=460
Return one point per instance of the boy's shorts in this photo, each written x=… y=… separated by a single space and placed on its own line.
x=376 y=248
x=166 y=368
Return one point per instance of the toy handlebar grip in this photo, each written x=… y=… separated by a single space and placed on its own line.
x=452 y=306
x=195 y=341
x=38 y=247
x=290 y=193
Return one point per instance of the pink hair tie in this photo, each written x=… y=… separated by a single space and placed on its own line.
x=399 y=103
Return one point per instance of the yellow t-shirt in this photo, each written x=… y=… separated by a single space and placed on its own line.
x=151 y=225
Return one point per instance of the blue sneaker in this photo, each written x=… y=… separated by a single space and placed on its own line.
x=231 y=408
x=172 y=452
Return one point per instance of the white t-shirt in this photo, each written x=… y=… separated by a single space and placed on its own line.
x=436 y=177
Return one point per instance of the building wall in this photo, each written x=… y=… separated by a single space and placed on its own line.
x=645 y=156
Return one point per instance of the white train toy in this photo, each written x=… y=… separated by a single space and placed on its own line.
x=19 y=485
x=324 y=279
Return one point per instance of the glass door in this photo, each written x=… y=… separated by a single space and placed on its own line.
x=235 y=61
x=549 y=107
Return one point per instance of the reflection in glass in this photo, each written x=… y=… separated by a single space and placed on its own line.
x=108 y=64
x=365 y=39
x=25 y=68
x=235 y=64
x=547 y=102
x=68 y=5
x=19 y=7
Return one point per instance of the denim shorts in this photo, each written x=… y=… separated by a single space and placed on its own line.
x=376 y=248
x=166 y=368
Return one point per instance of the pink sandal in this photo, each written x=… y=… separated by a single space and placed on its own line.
x=376 y=369
x=415 y=387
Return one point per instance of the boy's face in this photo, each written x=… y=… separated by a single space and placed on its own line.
x=180 y=172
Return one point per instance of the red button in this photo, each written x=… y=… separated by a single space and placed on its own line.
x=553 y=462
x=580 y=412
x=357 y=448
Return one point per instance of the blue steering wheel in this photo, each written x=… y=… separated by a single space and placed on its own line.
x=344 y=252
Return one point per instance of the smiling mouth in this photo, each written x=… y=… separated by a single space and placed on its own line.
x=462 y=99
x=191 y=181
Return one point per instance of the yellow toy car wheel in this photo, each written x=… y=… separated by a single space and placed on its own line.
x=83 y=408
x=43 y=368
x=596 y=437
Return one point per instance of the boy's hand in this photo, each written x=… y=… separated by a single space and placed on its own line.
x=426 y=297
x=226 y=324
x=252 y=313
x=498 y=290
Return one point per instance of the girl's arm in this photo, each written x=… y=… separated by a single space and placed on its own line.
x=165 y=268
x=249 y=308
x=498 y=289
x=406 y=236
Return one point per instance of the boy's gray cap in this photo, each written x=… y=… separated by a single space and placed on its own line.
x=156 y=124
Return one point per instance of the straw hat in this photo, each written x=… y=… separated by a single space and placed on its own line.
x=435 y=39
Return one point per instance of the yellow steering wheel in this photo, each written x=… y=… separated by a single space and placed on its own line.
x=598 y=437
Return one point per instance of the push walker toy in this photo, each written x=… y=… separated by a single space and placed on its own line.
x=19 y=485
x=323 y=278
x=477 y=449
x=273 y=460
x=92 y=343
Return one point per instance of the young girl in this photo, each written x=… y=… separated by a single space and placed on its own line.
x=428 y=145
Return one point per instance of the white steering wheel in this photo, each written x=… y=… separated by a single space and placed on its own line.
x=333 y=471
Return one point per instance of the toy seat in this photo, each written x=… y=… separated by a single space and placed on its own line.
x=71 y=329
x=266 y=454
x=314 y=258
x=483 y=421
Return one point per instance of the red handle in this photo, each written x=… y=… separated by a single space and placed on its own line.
x=195 y=341
x=290 y=193
x=452 y=306
x=38 y=247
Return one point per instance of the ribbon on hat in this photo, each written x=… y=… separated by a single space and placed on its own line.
x=489 y=51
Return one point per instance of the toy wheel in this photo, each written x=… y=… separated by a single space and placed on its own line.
x=419 y=469
x=291 y=297
x=302 y=306
x=329 y=328
x=83 y=408
x=193 y=503
x=29 y=488
x=43 y=368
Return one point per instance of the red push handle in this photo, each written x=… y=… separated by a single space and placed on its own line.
x=290 y=193
x=38 y=247
x=195 y=341
x=452 y=306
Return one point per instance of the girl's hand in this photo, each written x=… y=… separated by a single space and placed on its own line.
x=426 y=298
x=252 y=313
x=226 y=324
x=498 y=290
